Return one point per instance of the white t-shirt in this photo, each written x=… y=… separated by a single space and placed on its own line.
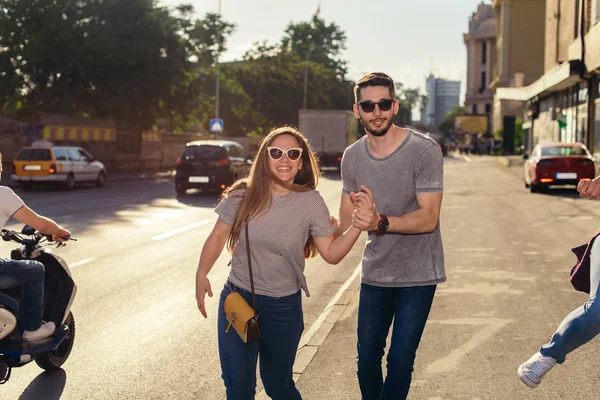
x=10 y=203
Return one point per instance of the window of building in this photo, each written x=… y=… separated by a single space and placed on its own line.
x=488 y=108
x=484 y=53
x=483 y=81
x=474 y=109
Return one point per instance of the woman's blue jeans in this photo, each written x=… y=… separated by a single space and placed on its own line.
x=281 y=324
x=583 y=323
x=30 y=275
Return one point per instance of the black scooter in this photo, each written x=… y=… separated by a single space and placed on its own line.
x=60 y=289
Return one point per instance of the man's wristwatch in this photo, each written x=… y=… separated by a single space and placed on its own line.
x=382 y=225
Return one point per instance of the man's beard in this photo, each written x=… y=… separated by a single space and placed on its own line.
x=375 y=132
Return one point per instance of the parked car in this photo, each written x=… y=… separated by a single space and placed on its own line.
x=558 y=164
x=42 y=162
x=211 y=165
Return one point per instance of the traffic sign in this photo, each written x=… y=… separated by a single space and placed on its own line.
x=216 y=125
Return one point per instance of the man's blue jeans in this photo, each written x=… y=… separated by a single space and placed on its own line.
x=281 y=324
x=408 y=307
x=30 y=275
x=583 y=323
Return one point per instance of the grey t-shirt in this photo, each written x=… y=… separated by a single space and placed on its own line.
x=10 y=203
x=394 y=259
x=277 y=241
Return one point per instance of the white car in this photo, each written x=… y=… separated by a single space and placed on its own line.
x=65 y=165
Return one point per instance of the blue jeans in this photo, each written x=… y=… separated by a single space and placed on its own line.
x=281 y=324
x=30 y=275
x=583 y=323
x=408 y=307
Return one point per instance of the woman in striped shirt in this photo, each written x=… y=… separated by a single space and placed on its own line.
x=288 y=222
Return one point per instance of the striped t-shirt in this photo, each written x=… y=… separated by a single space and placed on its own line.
x=277 y=241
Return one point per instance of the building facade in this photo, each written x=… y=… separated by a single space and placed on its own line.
x=481 y=58
x=520 y=39
x=443 y=95
x=562 y=104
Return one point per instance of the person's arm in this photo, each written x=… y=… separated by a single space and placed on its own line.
x=334 y=248
x=428 y=186
x=40 y=223
x=210 y=253
x=345 y=213
x=423 y=220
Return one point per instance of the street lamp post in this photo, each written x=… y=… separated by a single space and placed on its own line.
x=217 y=85
x=305 y=79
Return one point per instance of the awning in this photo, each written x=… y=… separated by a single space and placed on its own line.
x=562 y=77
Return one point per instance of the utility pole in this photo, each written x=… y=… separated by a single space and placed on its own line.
x=217 y=66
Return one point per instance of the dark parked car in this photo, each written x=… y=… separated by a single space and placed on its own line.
x=211 y=165
x=558 y=164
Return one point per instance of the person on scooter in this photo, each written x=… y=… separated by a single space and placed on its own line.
x=29 y=274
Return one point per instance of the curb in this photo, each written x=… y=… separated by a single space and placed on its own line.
x=340 y=307
x=513 y=161
x=114 y=177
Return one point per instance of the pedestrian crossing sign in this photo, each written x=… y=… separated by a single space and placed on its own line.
x=216 y=125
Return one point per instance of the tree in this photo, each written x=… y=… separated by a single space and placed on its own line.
x=318 y=42
x=131 y=61
x=408 y=99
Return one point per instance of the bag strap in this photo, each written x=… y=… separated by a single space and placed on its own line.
x=250 y=268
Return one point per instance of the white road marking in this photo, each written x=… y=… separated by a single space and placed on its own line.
x=450 y=362
x=81 y=262
x=180 y=230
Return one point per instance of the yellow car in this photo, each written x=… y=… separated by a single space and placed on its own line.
x=64 y=165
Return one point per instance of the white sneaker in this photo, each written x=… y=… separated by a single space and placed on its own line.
x=8 y=322
x=533 y=370
x=46 y=330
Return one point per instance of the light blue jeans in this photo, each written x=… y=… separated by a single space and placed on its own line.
x=30 y=275
x=583 y=323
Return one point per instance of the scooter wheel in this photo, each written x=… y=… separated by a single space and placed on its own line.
x=53 y=360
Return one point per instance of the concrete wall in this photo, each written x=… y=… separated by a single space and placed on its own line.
x=560 y=31
x=526 y=38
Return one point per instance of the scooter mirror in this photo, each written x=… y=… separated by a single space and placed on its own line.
x=27 y=230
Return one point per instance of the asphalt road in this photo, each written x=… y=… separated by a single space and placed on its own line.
x=139 y=333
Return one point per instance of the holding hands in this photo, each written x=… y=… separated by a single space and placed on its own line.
x=365 y=216
x=589 y=189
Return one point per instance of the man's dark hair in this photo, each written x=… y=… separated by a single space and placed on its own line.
x=374 y=79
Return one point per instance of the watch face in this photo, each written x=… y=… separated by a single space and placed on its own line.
x=383 y=224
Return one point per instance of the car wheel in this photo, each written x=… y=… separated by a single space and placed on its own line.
x=181 y=191
x=101 y=179
x=534 y=188
x=70 y=182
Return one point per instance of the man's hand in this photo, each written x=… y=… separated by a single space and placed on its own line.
x=589 y=189
x=365 y=216
x=60 y=236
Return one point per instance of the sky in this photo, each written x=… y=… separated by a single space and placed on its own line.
x=407 y=39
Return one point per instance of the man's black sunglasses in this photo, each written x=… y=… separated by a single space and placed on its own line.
x=368 y=106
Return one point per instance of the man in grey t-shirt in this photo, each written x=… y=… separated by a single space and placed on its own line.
x=401 y=172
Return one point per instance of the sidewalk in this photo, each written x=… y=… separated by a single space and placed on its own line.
x=331 y=372
x=325 y=366
x=116 y=176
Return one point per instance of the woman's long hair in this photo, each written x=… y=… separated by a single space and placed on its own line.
x=259 y=183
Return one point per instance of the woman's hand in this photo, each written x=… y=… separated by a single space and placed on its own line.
x=202 y=288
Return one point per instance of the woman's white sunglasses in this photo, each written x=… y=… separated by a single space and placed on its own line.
x=293 y=154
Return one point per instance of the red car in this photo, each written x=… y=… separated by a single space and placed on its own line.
x=553 y=164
